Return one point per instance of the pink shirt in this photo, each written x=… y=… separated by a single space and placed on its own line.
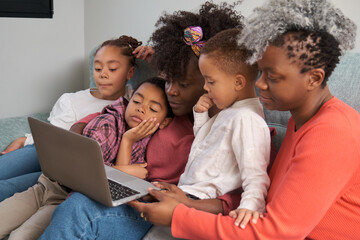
x=168 y=150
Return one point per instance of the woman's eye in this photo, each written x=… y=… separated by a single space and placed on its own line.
x=183 y=85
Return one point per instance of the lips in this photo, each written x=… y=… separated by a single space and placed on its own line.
x=104 y=85
x=136 y=119
x=174 y=104
x=265 y=100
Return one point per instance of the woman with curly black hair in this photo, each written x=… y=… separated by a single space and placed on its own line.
x=314 y=191
x=177 y=42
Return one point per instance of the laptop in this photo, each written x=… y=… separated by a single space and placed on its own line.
x=76 y=162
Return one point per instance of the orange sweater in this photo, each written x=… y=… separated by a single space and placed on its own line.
x=315 y=186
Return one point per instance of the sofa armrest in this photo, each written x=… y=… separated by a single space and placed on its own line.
x=15 y=127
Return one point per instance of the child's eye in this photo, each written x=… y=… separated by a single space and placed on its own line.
x=136 y=102
x=153 y=110
x=113 y=69
x=271 y=79
x=210 y=83
x=97 y=69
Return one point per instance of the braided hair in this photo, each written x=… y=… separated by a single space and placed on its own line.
x=172 y=55
x=126 y=43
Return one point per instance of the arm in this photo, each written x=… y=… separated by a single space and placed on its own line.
x=144 y=129
x=251 y=146
x=16 y=144
x=301 y=199
x=200 y=111
x=298 y=202
x=63 y=114
x=208 y=205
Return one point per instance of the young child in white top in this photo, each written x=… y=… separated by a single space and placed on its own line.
x=231 y=149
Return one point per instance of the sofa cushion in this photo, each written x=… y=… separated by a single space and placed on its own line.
x=15 y=127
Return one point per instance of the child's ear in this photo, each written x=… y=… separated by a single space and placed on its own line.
x=130 y=73
x=240 y=82
x=316 y=78
x=164 y=123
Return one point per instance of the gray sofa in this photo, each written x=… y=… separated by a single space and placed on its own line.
x=344 y=84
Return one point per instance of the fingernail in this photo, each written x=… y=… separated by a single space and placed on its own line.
x=254 y=221
x=242 y=226
x=236 y=224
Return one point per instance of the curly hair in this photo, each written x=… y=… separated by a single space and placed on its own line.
x=277 y=17
x=126 y=43
x=228 y=55
x=172 y=55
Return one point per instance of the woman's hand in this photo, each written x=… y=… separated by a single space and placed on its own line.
x=16 y=144
x=144 y=52
x=138 y=169
x=243 y=216
x=159 y=213
x=174 y=192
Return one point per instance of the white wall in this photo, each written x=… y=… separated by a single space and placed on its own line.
x=40 y=59
x=111 y=18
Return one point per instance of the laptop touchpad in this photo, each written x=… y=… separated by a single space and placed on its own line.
x=118 y=175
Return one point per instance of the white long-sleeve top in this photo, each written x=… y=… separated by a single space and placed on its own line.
x=71 y=107
x=230 y=150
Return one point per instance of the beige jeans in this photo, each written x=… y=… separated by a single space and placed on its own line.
x=26 y=215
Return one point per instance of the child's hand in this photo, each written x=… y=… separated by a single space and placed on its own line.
x=144 y=129
x=16 y=144
x=243 y=216
x=137 y=170
x=144 y=52
x=203 y=104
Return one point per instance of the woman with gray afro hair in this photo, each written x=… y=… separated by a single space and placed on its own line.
x=276 y=17
x=315 y=178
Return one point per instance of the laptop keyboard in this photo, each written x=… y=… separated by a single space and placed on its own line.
x=119 y=191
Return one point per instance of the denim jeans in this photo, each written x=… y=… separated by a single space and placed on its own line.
x=19 y=170
x=79 y=217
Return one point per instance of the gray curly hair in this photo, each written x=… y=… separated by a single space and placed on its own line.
x=276 y=17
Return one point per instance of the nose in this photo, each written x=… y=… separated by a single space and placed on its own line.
x=140 y=109
x=261 y=83
x=171 y=88
x=206 y=87
x=103 y=73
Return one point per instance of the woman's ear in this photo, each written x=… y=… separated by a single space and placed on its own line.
x=240 y=82
x=165 y=123
x=130 y=73
x=316 y=77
